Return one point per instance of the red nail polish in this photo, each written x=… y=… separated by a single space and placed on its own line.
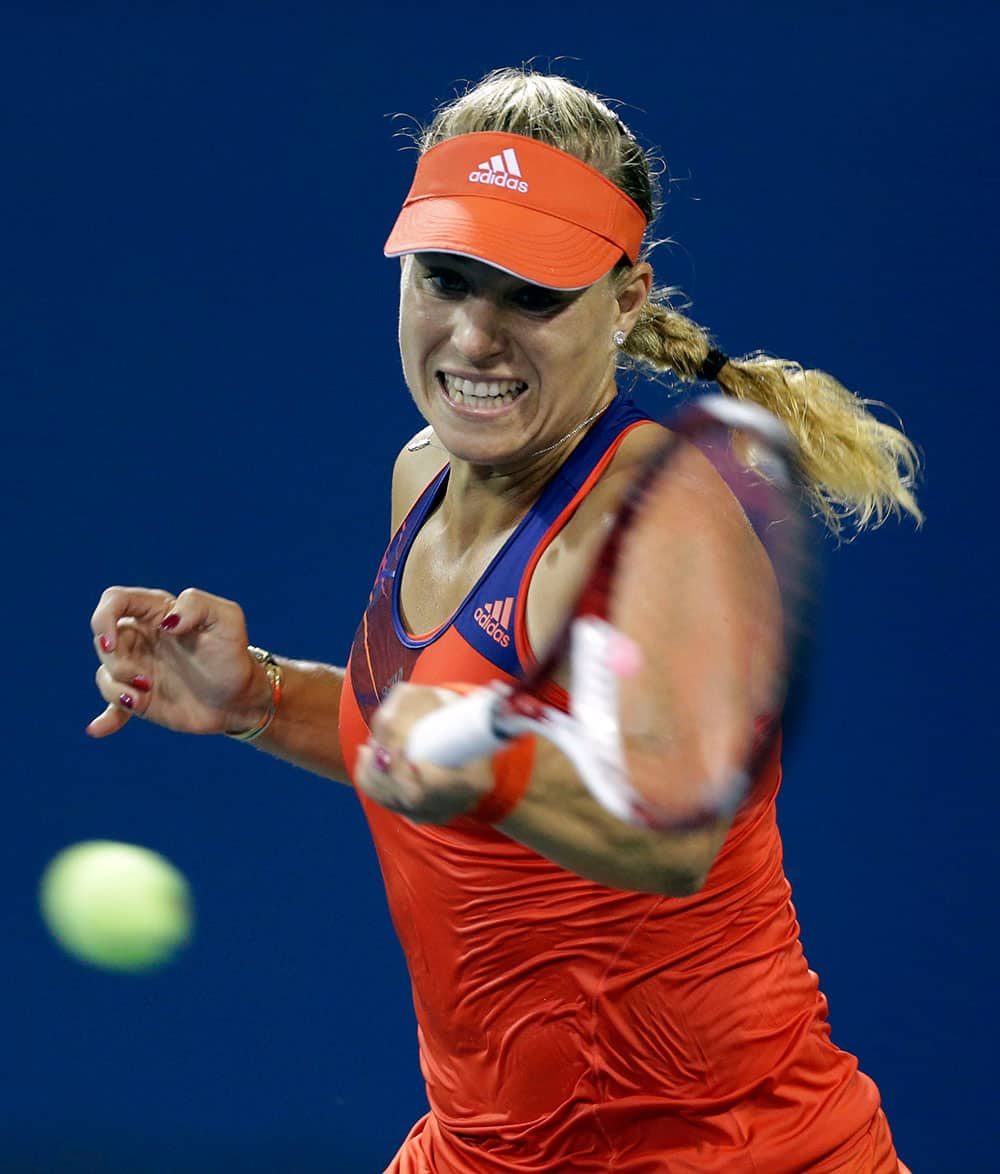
x=105 y=642
x=168 y=623
x=143 y=684
x=126 y=700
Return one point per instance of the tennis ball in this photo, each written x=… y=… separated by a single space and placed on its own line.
x=116 y=906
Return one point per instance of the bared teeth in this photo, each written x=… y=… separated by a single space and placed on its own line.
x=482 y=394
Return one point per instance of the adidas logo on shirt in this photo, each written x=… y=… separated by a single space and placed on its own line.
x=502 y=171
x=494 y=619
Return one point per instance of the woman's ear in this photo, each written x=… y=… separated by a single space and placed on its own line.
x=631 y=293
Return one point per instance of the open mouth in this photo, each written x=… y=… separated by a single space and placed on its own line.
x=484 y=396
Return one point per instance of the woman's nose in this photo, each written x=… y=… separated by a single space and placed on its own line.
x=478 y=331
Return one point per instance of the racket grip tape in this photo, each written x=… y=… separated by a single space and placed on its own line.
x=457 y=733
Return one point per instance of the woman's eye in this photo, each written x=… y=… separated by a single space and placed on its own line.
x=446 y=281
x=537 y=300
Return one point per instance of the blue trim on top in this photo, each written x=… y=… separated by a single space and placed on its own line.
x=501 y=579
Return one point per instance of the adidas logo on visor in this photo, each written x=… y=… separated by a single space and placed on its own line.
x=502 y=171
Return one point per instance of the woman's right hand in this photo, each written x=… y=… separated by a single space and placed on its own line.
x=179 y=661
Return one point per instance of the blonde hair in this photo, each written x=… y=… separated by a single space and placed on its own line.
x=858 y=469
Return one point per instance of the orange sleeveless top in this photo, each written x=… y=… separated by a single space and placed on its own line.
x=568 y=1027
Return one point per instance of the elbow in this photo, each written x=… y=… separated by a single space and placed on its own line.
x=669 y=866
x=679 y=863
x=654 y=878
x=674 y=881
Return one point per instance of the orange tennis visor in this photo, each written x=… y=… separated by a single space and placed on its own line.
x=519 y=205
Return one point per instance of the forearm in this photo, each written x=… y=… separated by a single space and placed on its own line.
x=555 y=815
x=304 y=730
x=560 y=819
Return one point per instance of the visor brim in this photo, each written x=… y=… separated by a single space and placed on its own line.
x=524 y=242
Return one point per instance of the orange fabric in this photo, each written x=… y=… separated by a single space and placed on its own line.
x=565 y=1026
x=521 y=205
x=511 y=775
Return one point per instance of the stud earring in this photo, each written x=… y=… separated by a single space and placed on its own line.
x=618 y=338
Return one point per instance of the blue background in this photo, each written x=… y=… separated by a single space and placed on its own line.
x=200 y=386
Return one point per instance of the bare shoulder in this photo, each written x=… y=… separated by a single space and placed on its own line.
x=693 y=475
x=593 y=515
x=419 y=460
x=702 y=511
x=707 y=525
x=632 y=453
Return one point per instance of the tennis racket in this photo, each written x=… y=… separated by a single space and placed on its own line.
x=686 y=635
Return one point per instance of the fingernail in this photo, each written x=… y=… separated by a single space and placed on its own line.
x=382 y=759
x=105 y=641
x=143 y=684
x=168 y=623
x=126 y=700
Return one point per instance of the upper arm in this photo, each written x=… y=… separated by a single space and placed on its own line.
x=706 y=601
x=695 y=590
x=710 y=575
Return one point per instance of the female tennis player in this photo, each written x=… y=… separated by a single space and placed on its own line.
x=592 y=993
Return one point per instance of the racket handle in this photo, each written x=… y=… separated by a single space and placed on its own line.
x=457 y=733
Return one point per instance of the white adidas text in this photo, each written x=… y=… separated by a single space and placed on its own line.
x=498 y=179
x=502 y=171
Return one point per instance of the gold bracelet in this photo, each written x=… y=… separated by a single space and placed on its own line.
x=273 y=670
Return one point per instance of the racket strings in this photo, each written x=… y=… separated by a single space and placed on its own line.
x=709 y=620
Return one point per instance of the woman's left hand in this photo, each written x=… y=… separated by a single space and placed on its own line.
x=421 y=791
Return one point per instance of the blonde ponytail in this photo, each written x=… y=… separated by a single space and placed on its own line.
x=859 y=470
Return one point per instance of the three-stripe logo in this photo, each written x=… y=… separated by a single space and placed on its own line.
x=502 y=170
x=494 y=619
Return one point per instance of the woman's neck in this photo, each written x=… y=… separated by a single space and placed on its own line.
x=482 y=500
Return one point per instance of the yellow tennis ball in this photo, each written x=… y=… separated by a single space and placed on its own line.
x=117 y=906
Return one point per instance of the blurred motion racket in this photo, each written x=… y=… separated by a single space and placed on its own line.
x=685 y=639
